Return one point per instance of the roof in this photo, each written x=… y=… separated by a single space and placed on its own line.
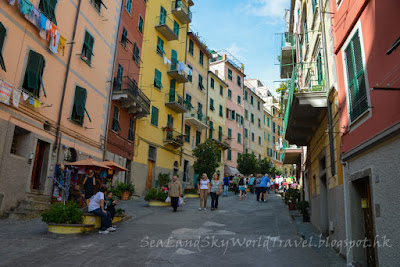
x=199 y=43
x=218 y=78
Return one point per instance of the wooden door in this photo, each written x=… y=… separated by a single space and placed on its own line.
x=150 y=170
x=37 y=165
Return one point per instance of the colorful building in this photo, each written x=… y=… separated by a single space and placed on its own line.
x=268 y=135
x=58 y=111
x=232 y=71
x=197 y=121
x=129 y=103
x=163 y=73
x=368 y=103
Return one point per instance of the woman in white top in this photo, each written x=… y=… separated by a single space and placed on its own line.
x=204 y=190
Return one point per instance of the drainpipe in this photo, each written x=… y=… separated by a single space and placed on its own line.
x=111 y=83
x=331 y=149
x=56 y=145
x=349 y=255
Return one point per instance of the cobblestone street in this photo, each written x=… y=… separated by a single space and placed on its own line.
x=239 y=232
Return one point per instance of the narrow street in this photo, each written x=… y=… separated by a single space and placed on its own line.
x=239 y=232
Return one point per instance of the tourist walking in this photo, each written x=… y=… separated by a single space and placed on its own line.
x=88 y=185
x=269 y=184
x=216 y=189
x=174 y=192
x=96 y=206
x=235 y=184
x=257 y=186
x=204 y=190
x=263 y=187
x=242 y=188
x=251 y=180
x=226 y=185
x=276 y=184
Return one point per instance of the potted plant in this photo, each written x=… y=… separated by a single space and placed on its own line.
x=191 y=193
x=125 y=189
x=156 y=198
x=168 y=128
x=304 y=206
x=291 y=197
x=163 y=180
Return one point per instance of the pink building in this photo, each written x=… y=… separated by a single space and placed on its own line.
x=232 y=72
x=369 y=95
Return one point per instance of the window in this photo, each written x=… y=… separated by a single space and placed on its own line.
x=233 y=115
x=221 y=113
x=251 y=100
x=120 y=74
x=187 y=133
x=140 y=24
x=201 y=87
x=131 y=136
x=210 y=133
x=252 y=137
x=220 y=133
x=269 y=137
x=212 y=104
x=190 y=76
x=160 y=46
x=48 y=7
x=239 y=81
x=189 y=102
x=273 y=111
x=258 y=105
x=154 y=116
x=273 y=139
x=273 y=127
x=163 y=15
x=229 y=133
x=97 y=4
x=268 y=123
x=279 y=130
x=174 y=60
x=357 y=89
x=128 y=6
x=34 y=73
x=198 y=138
x=314 y=5
x=239 y=99
x=246 y=114
x=259 y=140
x=229 y=94
x=229 y=154
x=305 y=29
x=3 y=33
x=176 y=28
x=246 y=133
x=201 y=58
x=212 y=83
x=219 y=156
x=319 y=69
x=157 y=79
x=239 y=138
x=259 y=123
x=136 y=53
x=246 y=95
x=191 y=45
x=239 y=154
x=221 y=90
x=87 y=48
x=230 y=74
x=124 y=37
x=200 y=110
x=20 y=142
x=79 y=107
x=252 y=118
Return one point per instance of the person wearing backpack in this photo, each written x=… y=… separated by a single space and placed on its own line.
x=263 y=186
x=242 y=188
x=226 y=185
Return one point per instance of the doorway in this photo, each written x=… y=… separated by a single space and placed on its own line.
x=324 y=219
x=150 y=171
x=185 y=170
x=40 y=165
x=363 y=206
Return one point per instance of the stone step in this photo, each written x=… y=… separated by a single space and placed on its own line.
x=22 y=215
x=33 y=205
x=37 y=197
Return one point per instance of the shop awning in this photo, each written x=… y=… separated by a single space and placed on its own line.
x=89 y=163
x=114 y=166
x=228 y=170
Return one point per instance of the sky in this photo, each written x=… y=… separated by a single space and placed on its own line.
x=246 y=28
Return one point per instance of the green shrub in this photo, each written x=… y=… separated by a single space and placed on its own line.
x=119 y=211
x=190 y=191
x=129 y=186
x=163 y=179
x=304 y=206
x=153 y=194
x=60 y=213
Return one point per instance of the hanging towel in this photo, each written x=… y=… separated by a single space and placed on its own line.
x=11 y=2
x=181 y=67
x=165 y=60
x=25 y=6
x=61 y=44
x=32 y=101
x=33 y=16
x=43 y=33
x=5 y=93
x=43 y=22
x=54 y=40
x=37 y=104
x=25 y=96
x=51 y=31
x=16 y=97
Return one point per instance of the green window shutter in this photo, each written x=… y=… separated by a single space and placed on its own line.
x=221 y=90
x=3 y=33
x=212 y=104
x=251 y=100
x=239 y=81
x=190 y=76
x=201 y=59
x=160 y=46
x=140 y=24
x=120 y=74
x=319 y=69
x=157 y=79
x=136 y=53
x=210 y=133
x=201 y=87
x=191 y=45
x=131 y=136
x=252 y=117
x=128 y=6
x=176 y=28
x=154 y=116
x=229 y=133
x=189 y=102
x=246 y=114
x=239 y=100
x=221 y=113
x=268 y=122
x=229 y=94
x=124 y=37
x=33 y=73
x=212 y=83
x=174 y=60
x=115 y=123
x=220 y=133
x=230 y=74
x=48 y=7
x=78 y=110
x=172 y=86
x=305 y=31
x=187 y=133
x=239 y=138
x=163 y=15
x=87 y=49
x=229 y=154
x=198 y=138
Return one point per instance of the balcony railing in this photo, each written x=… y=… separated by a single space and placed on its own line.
x=198 y=119
x=179 y=75
x=287 y=57
x=221 y=141
x=181 y=11
x=127 y=91
x=175 y=102
x=173 y=138
x=165 y=26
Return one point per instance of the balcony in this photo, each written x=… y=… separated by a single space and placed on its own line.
x=197 y=119
x=173 y=138
x=221 y=141
x=175 y=102
x=303 y=112
x=166 y=28
x=131 y=97
x=292 y=156
x=288 y=55
x=179 y=76
x=181 y=11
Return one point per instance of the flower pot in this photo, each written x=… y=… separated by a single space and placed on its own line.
x=125 y=195
x=291 y=206
x=158 y=203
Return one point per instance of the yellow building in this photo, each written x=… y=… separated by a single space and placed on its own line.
x=196 y=90
x=268 y=135
x=216 y=98
x=159 y=137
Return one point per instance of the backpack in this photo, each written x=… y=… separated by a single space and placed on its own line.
x=241 y=182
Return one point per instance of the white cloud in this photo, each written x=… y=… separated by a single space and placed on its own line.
x=271 y=9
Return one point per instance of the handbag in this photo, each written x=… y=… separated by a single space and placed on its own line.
x=168 y=200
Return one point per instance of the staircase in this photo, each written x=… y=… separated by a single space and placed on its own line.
x=31 y=207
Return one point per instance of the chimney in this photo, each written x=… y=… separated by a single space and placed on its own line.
x=216 y=72
x=224 y=57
